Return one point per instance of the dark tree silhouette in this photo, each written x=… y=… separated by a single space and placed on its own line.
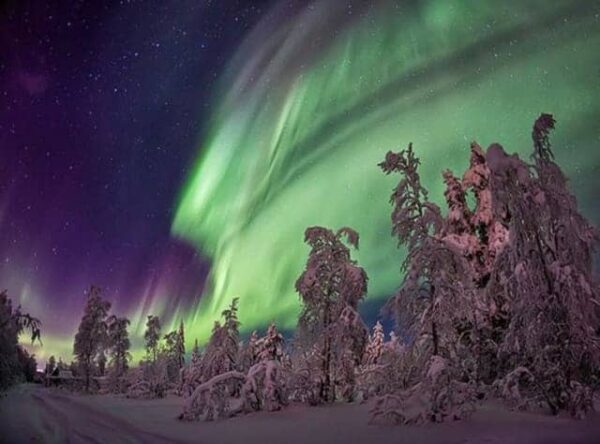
x=15 y=362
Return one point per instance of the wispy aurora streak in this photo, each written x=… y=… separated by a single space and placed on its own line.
x=309 y=107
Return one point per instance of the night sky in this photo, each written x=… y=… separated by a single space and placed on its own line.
x=173 y=152
x=101 y=106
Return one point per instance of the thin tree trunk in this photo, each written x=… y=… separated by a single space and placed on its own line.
x=326 y=385
x=434 y=335
x=327 y=363
x=87 y=375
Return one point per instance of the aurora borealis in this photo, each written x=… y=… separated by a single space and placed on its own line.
x=301 y=126
x=198 y=182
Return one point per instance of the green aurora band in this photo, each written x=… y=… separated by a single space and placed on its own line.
x=309 y=106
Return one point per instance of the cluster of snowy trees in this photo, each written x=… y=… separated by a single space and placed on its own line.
x=103 y=360
x=498 y=299
x=161 y=370
x=102 y=355
x=16 y=364
x=231 y=376
x=101 y=339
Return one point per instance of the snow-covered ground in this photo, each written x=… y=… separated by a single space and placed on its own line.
x=31 y=414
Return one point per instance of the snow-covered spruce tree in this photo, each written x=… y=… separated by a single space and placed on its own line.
x=231 y=326
x=331 y=336
x=180 y=346
x=221 y=352
x=152 y=336
x=435 y=299
x=381 y=369
x=265 y=384
x=91 y=337
x=270 y=346
x=351 y=336
x=374 y=347
x=150 y=379
x=231 y=392
x=219 y=385
x=487 y=236
x=214 y=360
x=196 y=355
x=248 y=353
x=212 y=385
x=174 y=353
x=118 y=344
x=546 y=273
x=478 y=237
x=192 y=373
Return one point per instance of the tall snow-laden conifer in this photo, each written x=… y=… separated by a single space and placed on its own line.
x=222 y=350
x=330 y=328
x=504 y=292
x=174 y=352
x=546 y=273
x=196 y=355
x=436 y=287
x=119 y=344
x=434 y=301
x=152 y=336
x=91 y=337
x=374 y=347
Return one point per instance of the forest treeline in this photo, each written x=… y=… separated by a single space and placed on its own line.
x=498 y=298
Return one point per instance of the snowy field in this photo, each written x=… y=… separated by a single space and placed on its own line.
x=33 y=414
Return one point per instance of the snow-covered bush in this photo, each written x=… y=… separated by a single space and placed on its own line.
x=439 y=397
x=387 y=366
x=264 y=387
x=149 y=380
x=215 y=389
x=211 y=400
x=306 y=377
